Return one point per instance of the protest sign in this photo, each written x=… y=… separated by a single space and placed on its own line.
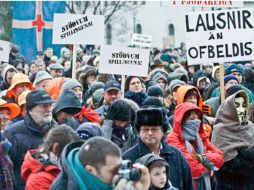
x=124 y=60
x=4 y=51
x=78 y=29
x=141 y=40
x=220 y=36
x=203 y=3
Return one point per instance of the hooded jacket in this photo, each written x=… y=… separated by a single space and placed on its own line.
x=196 y=77
x=6 y=67
x=38 y=173
x=237 y=143
x=24 y=135
x=176 y=139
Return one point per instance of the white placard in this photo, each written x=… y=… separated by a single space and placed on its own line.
x=203 y=3
x=220 y=36
x=78 y=29
x=124 y=60
x=4 y=51
x=141 y=40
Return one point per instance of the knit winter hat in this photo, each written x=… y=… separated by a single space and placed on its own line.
x=70 y=84
x=230 y=77
x=233 y=68
x=167 y=58
x=88 y=130
x=152 y=101
x=156 y=91
x=233 y=89
x=176 y=83
x=119 y=110
x=40 y=76
x=159 y=76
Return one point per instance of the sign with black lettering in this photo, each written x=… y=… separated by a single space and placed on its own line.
x=203 y=3
x=4 y=51
x=220 y=36
x=78 y=29
x=141 y=40
x=124 y=60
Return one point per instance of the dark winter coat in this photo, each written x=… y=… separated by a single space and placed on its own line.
x=24 y=135
x=66 y=180
x=179 y=174
x=137 y=97
x=108 y=132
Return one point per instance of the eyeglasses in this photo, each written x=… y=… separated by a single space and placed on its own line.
x=152 y=129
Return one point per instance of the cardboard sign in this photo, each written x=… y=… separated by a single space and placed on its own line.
x=124 y=60
x=203 y=3
x=4 y=51
x=220 y=36
x=141 y=40
x=78 y=29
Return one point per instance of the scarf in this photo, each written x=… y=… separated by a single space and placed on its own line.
x=85 y=180
x=190 y=133
x=137 y=97
x=120 y=132
x=88 y=113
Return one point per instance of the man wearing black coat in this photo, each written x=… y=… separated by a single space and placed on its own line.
x=28 y=134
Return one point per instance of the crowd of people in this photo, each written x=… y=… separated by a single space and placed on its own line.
x=62 y=133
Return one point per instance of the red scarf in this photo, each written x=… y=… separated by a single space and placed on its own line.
x=89 y=114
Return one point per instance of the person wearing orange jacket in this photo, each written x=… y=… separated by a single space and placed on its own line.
x=189 y=137
x=188 y=93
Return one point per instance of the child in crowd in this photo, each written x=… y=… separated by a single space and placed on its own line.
x=158 y=170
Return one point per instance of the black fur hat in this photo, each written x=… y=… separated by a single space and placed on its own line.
x=119 y=110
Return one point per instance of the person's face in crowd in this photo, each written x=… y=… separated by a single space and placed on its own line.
x=202 y=84
x=192 y=115
x=106 y=172
x=241 y=108
x=23 y=110
x=33 y=68
x=209 y=69
x=63 y=117
x=78 y=91
x=41 y=114
x=151 y=135
x=90 y=79
x=9 y=76
x=4 y=117
x=229 y=84
x=67 y=55
x=78 y=64
x=238 y=76
x=42 y=84
x=120 y=124
x=161 y=98
x=40 y=57
x=111 y=95
x=217 y=74
x=191 y=69
x=161 y=83
x=40 y=66
x=14 y=53
x=158 y=176
x=19 y=66
x=19 y=88
x=55 y=73
x=67 y=65
x=135 y=85
x=49 y=52
x=192 y=99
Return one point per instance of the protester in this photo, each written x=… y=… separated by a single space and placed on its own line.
x=41 y=80
x=40 y=65
x=202 y=82
x=48 y=54
x=87 y=168
x=8 y=111
x=13 y=55
x=88 y=130
x=189 y=137
x=158 y=170
x=156 y=91
x=233 y=134
x=151 y=126
x=7 y=73
x=29 y=133
x=56 y=70
x=134 y=89
x=41 y=166
x=117 y=125
x=19 y=83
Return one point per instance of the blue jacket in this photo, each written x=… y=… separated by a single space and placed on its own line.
x=24 y=135
x=179 y=170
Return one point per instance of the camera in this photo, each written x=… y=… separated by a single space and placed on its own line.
x=128 y=172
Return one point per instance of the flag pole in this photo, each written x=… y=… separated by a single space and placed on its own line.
x=74 y=54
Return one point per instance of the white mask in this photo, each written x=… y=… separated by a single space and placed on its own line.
x=241 y=108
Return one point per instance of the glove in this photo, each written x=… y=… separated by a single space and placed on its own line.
x=122 y=184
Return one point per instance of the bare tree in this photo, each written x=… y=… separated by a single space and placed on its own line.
x=5 y=21
x=106 y=8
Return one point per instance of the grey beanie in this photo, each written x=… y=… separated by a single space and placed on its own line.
x=40 y=76
x=176 y=83
x=70 y=84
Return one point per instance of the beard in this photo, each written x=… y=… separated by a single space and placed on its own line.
x=41 y=119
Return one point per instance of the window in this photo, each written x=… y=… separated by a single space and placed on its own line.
x=171 y=30
x=109 y=34
x=139 y=29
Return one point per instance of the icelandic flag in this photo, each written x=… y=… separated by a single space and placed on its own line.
x=32 y=26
